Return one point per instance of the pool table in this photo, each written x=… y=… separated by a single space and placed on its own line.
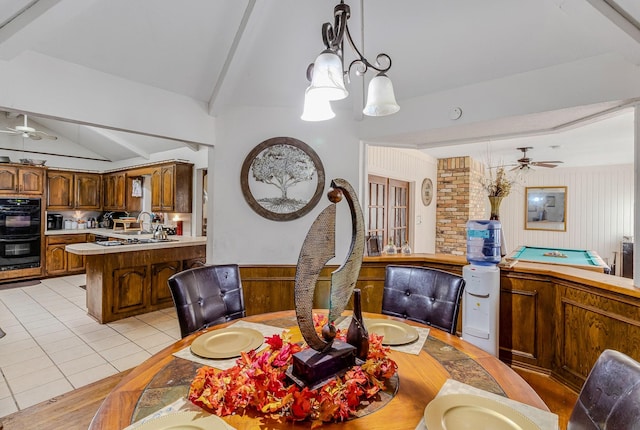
x=582 y=259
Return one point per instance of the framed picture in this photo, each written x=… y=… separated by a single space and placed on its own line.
x=282 y=178
x=546 y=208
x=374 y=246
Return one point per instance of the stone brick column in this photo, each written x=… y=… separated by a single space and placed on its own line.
x=459 y=198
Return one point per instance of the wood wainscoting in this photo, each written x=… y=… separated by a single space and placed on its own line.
x=554 y=320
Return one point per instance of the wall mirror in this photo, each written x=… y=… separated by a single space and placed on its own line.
x=546 y=208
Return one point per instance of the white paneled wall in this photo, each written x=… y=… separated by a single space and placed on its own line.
x=412 y=166
x=599 y=209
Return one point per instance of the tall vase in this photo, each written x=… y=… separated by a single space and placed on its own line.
x=495 y=202
x=495 y=206
x=357 y=334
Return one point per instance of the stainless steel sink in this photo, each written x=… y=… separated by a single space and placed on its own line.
x=132 y=232
x=133 y=241
x=145 y=240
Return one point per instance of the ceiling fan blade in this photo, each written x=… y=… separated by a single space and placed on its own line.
x=503 y=165
x=10 y=132
x=42 y=134
x=546 y=163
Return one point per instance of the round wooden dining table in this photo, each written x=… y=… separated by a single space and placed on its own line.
x=166 y=378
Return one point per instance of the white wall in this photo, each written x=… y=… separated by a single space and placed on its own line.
x=239 y=235
x=600 y=209
x=411 y=166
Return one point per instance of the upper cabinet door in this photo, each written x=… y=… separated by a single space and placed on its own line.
x=59 y=190
x=88 y=188
x=8 y=179
x=31 y=181
x=156 y=189
x=114 y=186
x=21 y=180
x=168 y=189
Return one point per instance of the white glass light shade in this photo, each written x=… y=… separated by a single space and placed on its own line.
x=316 y=108
x=380 y=97
x=328 y=77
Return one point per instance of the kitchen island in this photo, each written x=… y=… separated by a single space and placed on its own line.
x=131 y=278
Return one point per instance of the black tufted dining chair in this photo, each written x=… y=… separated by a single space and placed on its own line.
x=206 y=296
x=427 y=296
x=610 y=396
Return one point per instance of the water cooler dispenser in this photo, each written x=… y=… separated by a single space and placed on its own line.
x=481 y=298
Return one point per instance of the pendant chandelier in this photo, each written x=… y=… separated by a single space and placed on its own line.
x=327 y=74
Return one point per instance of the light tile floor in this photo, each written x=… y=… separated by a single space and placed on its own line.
x=52 y=346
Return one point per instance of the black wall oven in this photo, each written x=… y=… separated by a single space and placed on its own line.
x=20 y=238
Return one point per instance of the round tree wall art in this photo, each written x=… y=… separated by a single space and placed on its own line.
x=282 y=178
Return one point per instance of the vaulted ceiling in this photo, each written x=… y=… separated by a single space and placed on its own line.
x=230 y=53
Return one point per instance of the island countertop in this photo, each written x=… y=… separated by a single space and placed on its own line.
x=91 y=248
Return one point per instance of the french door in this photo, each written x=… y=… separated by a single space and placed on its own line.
x=389 y=204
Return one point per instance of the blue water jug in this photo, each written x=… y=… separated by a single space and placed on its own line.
x=483 y=242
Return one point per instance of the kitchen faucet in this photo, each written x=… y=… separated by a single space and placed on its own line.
x=139 y=220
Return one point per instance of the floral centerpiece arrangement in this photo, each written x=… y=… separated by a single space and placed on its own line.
x=258 y=381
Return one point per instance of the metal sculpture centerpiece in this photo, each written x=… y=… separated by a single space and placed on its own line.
x=328 y=356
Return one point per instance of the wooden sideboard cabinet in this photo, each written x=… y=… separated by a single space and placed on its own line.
x=74 y=190
x=18 y=179
x=171 y=187
x=59 y=262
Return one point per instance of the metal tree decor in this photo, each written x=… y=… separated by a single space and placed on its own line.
x=327 y=357
x=283 y=166
x=289 y=166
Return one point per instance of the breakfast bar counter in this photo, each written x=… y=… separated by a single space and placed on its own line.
x=131 y=243
x=131 y=278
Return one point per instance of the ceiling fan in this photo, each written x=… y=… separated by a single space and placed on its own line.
x=29 y=132
x=525 y=162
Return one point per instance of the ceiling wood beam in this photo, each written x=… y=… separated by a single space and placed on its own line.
x=121 y=142
x=24 y=17
x=612 y=11
x=213 y=100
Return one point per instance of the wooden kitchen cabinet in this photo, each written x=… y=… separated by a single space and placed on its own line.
x=171 y=188
x=160 y=273
x=60 y=262
x=21 y=180
x=130 y=289
x=59 y=190
x=73 y=190
x=115 y=191
x=88 y=191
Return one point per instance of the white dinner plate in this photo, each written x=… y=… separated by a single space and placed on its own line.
x=469 y=412
x=226 y=342
x=392 y=332
x=185 y=420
